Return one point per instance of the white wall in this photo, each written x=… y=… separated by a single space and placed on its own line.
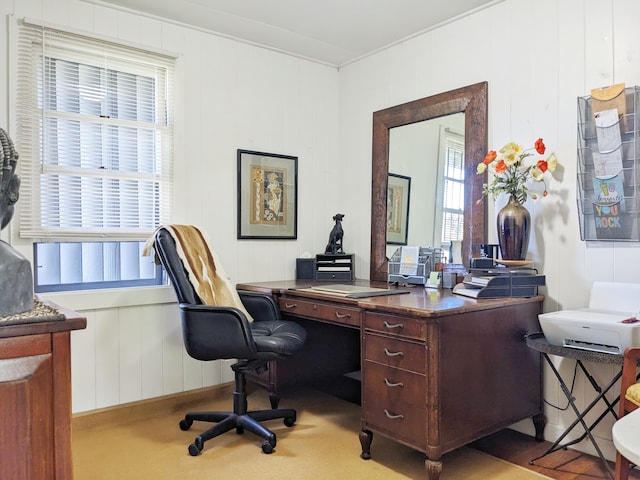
x=538 y=57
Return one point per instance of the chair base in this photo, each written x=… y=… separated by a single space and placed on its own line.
x=240 y=418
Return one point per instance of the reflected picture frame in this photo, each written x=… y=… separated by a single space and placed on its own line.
x=398 y=196
x=267 y=195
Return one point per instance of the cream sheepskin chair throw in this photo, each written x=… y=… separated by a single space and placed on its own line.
x=210 y=281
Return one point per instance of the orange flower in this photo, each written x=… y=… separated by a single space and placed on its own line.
x=542 y=165
x=490 y=157
x=501 y=166
x=540 y=147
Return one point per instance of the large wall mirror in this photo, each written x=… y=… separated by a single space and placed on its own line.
x=460 y=113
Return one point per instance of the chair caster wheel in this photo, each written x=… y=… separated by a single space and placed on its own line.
x=196 y=447
x=267 y=447
x=289 y=421
x=185 y=424
x=194 y=451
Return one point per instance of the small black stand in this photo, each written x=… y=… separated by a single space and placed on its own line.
x=538 y=342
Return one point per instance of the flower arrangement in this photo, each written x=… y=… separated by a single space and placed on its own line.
x=511 y=173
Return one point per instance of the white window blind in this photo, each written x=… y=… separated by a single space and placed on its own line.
x=95 y=137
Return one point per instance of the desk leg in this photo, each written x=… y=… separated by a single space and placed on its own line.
x=366 y=437
x=539 y=422
x=434 y=468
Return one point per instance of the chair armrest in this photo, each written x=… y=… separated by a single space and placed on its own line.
x=211 y=332
x=259 y=305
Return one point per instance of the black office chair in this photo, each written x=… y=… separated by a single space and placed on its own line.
x=217 y=332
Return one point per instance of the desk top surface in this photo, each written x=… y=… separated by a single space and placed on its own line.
x=420 y=301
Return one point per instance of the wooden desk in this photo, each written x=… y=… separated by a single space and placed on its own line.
x=35 y=394
x=438 y=370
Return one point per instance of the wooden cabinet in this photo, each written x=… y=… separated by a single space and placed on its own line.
x=35 y=394
x=438 y=379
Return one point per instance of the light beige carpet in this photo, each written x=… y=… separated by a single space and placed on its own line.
x=323 y=444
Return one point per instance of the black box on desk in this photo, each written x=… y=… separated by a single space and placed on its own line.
x=305 y=268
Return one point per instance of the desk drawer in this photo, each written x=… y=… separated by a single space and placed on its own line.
x=393 y=325
x=341 y=276
x=394 y=386
x=395 y=352
x=398 y=419
x=329 y=312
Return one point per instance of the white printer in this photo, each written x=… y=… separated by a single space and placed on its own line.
x=608 y=325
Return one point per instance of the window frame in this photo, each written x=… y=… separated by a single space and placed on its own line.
x=30 y=136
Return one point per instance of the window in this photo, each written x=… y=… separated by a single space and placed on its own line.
x=95 y=139
x=453 y=201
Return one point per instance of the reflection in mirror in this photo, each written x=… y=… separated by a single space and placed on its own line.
x=430 y=154
x=471 y=101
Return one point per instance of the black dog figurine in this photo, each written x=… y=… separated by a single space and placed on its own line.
x=335 y=237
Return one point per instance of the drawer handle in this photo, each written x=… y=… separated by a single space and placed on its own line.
x=290 y=305
x=392 y=327
x=393 y=354
x=393 y=416
x=389 y=384
x=343 y=315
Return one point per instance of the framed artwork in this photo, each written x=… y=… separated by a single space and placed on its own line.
x=267 y=195
x=398 y=194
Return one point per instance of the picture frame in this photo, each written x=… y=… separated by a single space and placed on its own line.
x=267 y=195
x=398 y=196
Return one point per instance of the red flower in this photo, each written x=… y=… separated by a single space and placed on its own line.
x=491 y=156
x=542 y=165
x=540 y=147
x=501 y=166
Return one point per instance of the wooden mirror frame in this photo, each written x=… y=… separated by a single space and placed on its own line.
x=472 y=101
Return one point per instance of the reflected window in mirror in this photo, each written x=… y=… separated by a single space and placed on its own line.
x=452 y=212
x=431 y=154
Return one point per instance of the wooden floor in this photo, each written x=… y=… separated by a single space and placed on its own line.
x=567 y=464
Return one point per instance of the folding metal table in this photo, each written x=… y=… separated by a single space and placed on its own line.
x=538 y=342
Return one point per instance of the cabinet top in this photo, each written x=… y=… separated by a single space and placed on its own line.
x=64 y=320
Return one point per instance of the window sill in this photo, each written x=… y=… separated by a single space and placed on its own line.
x=112 y=298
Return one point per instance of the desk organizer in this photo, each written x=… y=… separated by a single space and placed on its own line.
x=428 y=257
x=608 y=177
x=335 y=267
x=500 y=282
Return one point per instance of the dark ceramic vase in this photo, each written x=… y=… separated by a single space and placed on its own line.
x=514 y=227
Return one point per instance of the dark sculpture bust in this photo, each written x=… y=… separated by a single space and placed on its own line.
x=9 y=181
x=335 y=237
x=16 y=282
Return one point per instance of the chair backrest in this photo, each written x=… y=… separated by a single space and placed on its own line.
x=165 y=247
x=229 y=336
